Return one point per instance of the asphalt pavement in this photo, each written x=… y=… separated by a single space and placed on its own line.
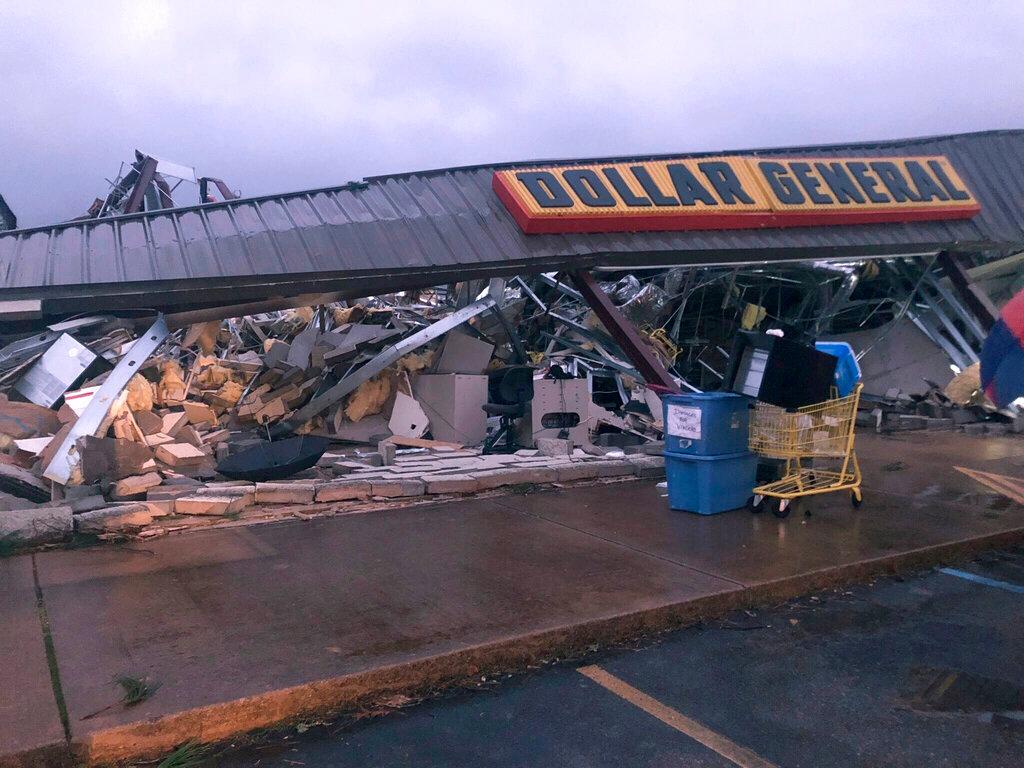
x=924 y=671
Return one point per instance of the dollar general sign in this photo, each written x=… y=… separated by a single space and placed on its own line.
x=733 y=193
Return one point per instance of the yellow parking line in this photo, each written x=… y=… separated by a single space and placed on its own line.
x=730 y=750
x=1011 y=487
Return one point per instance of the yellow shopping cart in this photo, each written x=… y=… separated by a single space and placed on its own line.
x=816 y=442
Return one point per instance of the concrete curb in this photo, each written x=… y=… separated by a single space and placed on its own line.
x=219 y=722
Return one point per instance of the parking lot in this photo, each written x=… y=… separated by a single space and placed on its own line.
x=921 y=671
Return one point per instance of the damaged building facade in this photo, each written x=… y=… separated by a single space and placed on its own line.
x=466 y=329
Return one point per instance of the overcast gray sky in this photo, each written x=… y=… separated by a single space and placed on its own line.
x=285 y=95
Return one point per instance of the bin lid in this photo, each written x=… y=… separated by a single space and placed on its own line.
x=689 y=397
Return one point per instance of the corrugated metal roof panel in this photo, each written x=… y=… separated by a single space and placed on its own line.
x=417 y=228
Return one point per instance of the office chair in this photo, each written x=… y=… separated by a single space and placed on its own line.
x=509 y=389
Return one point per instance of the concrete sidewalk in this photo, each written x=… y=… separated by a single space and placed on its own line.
x=247 y=627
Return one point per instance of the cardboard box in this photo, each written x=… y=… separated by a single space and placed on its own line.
x=454 y=404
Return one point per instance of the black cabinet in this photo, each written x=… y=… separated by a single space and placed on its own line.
x=779 y=371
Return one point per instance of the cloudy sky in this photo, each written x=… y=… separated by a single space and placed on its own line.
x=281 y=95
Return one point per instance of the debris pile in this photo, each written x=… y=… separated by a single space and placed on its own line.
x=401 y=375
x=113 y=425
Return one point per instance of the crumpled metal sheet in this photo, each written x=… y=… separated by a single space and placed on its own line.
x=622 y=291
x=646 y=306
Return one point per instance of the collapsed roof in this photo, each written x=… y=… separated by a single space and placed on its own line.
x=413 y=230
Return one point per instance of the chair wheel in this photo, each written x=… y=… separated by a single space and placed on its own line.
x=781 y=508
x=856 y=499
x=756 y=504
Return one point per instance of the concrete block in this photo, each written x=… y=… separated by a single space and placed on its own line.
x=179 y=454
x=496 y=478
x=414 y=470
x=978 y=428
x=372 y=459
x=553 y=446
x=451 y=483
x=210 y=505
x=85 y=503
x=401 y=486
x=580 y=470
x=939 y=424
x=620 y=467
x=232 y=486
x=122 y=518
x=647 y=466
x=161 y=508
x=908 y=422
x=170 y=492
x=962 y=416
x=343 y=490
x=135 y=485
x=81 y=491
x=591 y=469
x=388 y=452
x=36 y=526
x=245 y=492
x=284 y=493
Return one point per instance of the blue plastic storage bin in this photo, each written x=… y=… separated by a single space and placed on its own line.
x=708 y=485
x=847 y=369
x=706 y=423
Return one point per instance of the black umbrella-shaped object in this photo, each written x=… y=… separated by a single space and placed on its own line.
x=274 y=460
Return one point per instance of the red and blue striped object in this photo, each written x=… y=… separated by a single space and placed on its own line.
x=1002 y=357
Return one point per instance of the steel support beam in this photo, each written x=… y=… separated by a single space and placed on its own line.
x=973 y=296
x=224 y=189
x=147 y=170
x=632 y=344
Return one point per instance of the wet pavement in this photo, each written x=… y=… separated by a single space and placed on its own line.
x=29 y=717
x=847 y=678
x=247 y=627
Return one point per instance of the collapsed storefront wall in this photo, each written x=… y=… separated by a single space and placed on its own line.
x=901 y=357
x=415 y=230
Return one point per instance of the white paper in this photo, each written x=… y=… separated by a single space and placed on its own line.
x=683 y=421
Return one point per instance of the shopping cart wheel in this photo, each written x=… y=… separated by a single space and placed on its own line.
x=781 y=508
x=756 y=504
x=856 y=499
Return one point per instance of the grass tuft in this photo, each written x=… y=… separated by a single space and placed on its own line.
x=188 y=755
x=136 y=689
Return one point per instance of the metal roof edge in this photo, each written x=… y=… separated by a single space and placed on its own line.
x=357 y=185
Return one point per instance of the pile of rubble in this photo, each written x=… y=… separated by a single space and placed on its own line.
x=111 y=425
x=960 y=405
x=395 y=383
